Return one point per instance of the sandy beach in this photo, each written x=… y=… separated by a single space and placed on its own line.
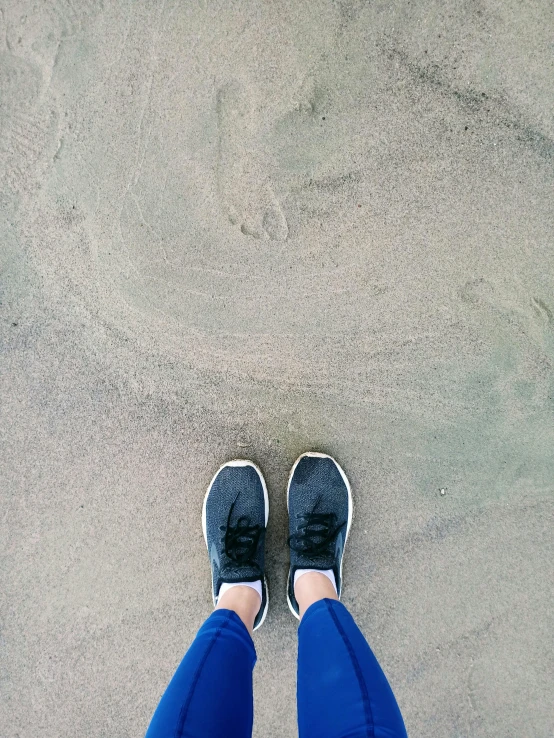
x=248 y=229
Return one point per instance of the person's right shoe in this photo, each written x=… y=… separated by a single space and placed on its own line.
x=319 y=501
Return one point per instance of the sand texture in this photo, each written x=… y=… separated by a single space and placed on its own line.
x=249 y=229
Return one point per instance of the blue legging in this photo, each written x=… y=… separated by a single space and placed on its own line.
x=342 y=691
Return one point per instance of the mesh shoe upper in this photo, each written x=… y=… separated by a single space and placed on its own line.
x=319 y=512
x=234 y=518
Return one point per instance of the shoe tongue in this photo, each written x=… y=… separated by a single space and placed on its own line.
x=319 y=561
x=233 y=573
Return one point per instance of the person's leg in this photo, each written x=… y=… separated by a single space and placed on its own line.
x=342 y=691
x=210 y=695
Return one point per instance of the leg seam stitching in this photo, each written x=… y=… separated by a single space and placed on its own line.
x=358 y=671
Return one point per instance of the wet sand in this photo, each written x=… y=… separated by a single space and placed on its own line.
x=250 y=229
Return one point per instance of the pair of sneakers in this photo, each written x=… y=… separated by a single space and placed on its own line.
x=235 y=515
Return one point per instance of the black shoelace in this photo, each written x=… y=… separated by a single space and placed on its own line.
x=315 y=533
x=241 y=540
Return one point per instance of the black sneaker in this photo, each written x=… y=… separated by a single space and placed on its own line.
x=319 y=501
x=234 y=520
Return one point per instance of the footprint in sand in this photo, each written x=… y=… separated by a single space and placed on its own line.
x=523 y=318
x=244 y=189
x=544 y=313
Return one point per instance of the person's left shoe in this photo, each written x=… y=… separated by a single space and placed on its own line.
x=234 y=521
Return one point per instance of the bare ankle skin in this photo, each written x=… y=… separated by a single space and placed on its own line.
x=245 y=601
x=312 y=587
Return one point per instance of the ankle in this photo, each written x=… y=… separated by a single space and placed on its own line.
x=312 y=587
x=242 y=600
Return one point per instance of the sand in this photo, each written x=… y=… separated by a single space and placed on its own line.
x=250 y=229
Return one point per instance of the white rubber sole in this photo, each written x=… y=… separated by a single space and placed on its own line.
x=319 y=455
x=238 y=462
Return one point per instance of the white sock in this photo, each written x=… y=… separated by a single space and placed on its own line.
x=327 y=573
x=226 y=586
